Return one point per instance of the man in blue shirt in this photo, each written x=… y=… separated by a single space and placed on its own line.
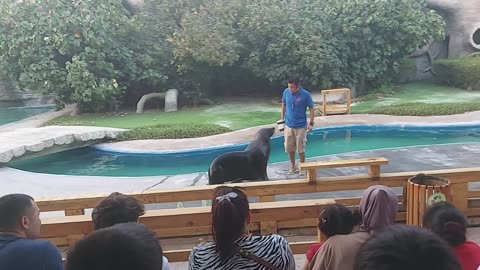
x=19 y=227
x=295 y=102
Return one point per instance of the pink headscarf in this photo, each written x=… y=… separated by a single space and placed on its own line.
x=378 y=207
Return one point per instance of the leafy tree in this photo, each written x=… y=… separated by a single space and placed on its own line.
x=82 y=51
x=328 y=42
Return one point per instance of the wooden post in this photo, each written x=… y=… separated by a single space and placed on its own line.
x=374 y=171
x=74 y=212
x=268 y=227
x=312 y=176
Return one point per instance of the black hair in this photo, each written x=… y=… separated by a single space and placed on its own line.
x=116 y=208
x=294 y=80
x=432 y=210
x=448 y=223
x=12 y=208
x=228 y=219
x=121 y=247
x=338 y=219
x=400 y=247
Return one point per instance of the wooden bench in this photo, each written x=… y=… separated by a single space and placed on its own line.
x=267 y=217
x=372 y=163
x=326 y=109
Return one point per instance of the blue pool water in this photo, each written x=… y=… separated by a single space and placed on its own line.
x=323 y=141
x=12 y=114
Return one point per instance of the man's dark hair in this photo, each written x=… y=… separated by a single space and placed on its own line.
x=294 y=80
x=400 y=247
x=116 y=208
x=124 y=246
x=12 y=208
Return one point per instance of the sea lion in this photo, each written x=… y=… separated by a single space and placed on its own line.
x=250 y=164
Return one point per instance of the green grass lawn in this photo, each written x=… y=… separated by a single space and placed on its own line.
x=231 y=115
x=411 y=99
x=421 y=99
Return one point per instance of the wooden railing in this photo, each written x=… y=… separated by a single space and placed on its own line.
x=66 y=230
x=267 y=190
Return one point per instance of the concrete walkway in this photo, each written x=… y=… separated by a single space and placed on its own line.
x=421 y=158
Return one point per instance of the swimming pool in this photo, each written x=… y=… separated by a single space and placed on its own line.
x=322 y=141
x=12 y=114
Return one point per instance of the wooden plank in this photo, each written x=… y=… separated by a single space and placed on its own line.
x=410 y=204
x=415 y=204
x=74 y=212
x=343 y=163
x=267 y=198
x=422 y=204
x=279 y=187
x=460 y=195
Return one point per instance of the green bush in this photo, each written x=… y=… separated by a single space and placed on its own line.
x=172 y=132
x=426 y=109
x=461 y=72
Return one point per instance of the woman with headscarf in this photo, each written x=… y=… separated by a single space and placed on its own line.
x=378 y=208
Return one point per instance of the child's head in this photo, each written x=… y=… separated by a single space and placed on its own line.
x=337 y=219
x=448 y=222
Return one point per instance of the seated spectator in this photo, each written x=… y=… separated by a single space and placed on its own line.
x=333 y=220
x=124 y=246
x=116 y=208
x=402 y=247
x=19 y=227
x=378 y=208
x=450 y=224
x=119 y=208
x=233 y=246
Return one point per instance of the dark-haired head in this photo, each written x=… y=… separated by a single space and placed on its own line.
x=20 y=214
x=338 y=219
x=121 y=247
x=294 y=81
x=230 y=218
x=400 y=247
x=447 y=222
x=432 y=210
x=116 y=208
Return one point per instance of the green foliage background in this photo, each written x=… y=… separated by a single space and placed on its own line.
x=101 y=54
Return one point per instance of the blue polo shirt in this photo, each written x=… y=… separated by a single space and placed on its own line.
x=295 y=107
x=17 y=253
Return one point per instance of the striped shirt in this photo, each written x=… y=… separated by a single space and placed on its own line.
x=272 y=248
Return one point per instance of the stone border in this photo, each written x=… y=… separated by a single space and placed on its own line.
x=31 y=141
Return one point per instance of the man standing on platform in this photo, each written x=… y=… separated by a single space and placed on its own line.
x=295 y=102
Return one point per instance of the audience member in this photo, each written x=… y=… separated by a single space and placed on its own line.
x=116 y=208
x=125 y=246
x=401 y=247
x=233 y=246
x=450 y=224
x=333 y=220
x=378 y=208
x=119 y=208
x=19 y=228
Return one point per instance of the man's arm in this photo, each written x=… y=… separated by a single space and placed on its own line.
x=283 y=111
x=312 y=115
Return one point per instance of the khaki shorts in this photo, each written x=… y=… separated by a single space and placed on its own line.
x=295 y=139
